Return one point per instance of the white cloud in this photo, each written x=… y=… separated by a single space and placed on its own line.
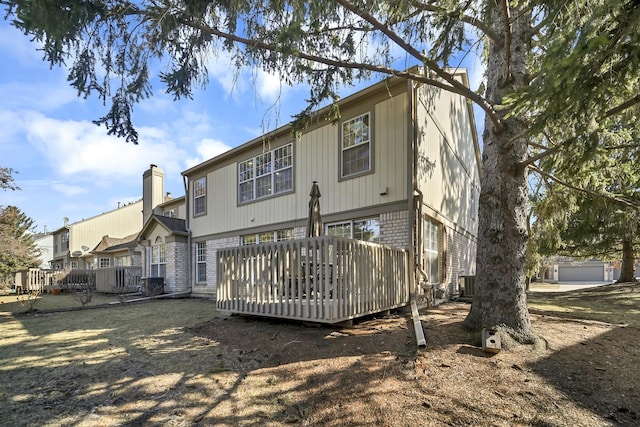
x=207 y=149
x=68 y=190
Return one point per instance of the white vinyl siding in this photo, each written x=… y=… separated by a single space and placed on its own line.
x=200 y=196
x=356 y=146
x=266 y=175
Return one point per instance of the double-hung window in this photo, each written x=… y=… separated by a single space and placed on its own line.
x=355 y=146
x=201 y=262
x=432 y=250
x=200 y=196
x=158 y=259
x=265 y=175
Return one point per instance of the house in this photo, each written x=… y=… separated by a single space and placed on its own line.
x=72 y=243
x=400 y=169
x=44 y=243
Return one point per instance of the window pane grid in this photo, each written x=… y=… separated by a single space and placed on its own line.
x=356 y=153
x=199 y=196
x=265 y=175
x=201 y=262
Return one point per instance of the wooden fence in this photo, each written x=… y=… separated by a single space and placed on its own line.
x=40 y=280
x=324 y=279
x=118 y=280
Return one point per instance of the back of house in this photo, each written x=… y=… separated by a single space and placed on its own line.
x=400 y=168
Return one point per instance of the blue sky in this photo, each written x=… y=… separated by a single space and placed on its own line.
x=69 y=167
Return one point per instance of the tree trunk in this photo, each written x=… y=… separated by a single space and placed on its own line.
x=628 y=270
x=500 y=299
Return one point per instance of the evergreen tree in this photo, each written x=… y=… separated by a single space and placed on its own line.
x=18 y=251
x=6 y=179
x=549 y=64
x=600 y=222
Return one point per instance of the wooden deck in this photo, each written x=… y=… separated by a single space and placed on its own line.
x=323 y=279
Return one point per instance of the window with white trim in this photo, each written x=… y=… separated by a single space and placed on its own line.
x=267 y=236
x=200 y=196
x=355 y=146
x=74 y=265
x=201 y=262
x=104 y=262
x=431 y=250
x=158 y=262
x=266 y=175
x=366 y=229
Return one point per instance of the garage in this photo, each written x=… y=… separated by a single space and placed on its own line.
x=581 y=273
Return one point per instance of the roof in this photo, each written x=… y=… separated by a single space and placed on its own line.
x=172 y=225
x=113 y=244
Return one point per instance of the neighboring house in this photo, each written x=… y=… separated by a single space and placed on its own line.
x=117 y=252
x=44 y=242
x=400 y=168
x=72 y=243
x=112 y=235
x=581 y=271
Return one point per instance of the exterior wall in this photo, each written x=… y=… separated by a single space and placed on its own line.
x=177 y=268
x=316 y=157
x=209 y=289
x=394 y=229
x=461 y=259
x=447 y=169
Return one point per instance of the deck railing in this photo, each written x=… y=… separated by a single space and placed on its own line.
x=323 y=279
x=118 y=279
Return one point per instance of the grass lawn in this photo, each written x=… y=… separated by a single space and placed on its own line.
x=47 y=302
x=182 y=363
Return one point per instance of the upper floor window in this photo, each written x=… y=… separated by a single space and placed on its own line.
x=367 y=229
x=355 y=146
x=65 y=241
x=265 y=175
x=171 y=213
x=200 y=196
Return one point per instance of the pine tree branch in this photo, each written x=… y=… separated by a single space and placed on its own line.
x=439 y=71
x=471 y=20
x=557 y=180
x=453 y=85
x=620 y=108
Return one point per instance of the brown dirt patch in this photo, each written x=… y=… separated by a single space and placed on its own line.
x=180 y=363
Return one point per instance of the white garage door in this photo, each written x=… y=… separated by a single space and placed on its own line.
x=590 y=273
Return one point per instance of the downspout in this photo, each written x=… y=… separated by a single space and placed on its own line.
x=415 y=237
x=186 y=209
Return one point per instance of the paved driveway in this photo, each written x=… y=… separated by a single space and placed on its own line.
x=564 y=286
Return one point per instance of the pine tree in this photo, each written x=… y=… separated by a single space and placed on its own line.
x=19 y=252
